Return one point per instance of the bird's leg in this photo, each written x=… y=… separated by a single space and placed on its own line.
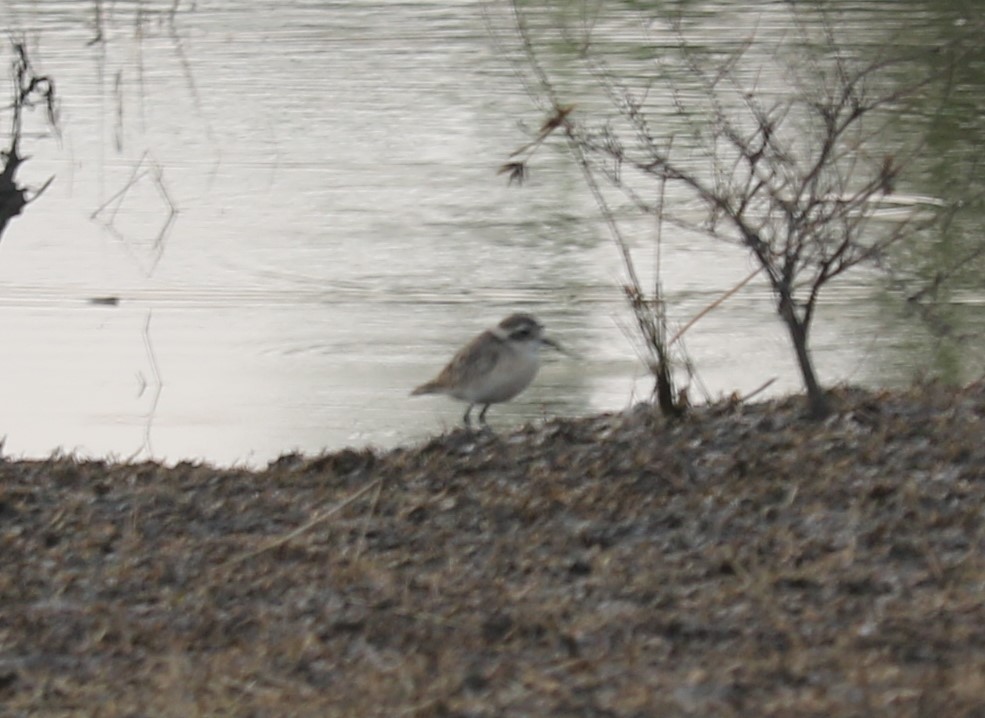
x=482 y=415
x=468 y=422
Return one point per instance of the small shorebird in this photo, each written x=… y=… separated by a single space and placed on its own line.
x=494 y=367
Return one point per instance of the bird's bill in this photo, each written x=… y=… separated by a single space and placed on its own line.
x=551 y=343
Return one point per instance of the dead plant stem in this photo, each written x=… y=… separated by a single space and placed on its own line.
x=712 y=306
x=318 y=518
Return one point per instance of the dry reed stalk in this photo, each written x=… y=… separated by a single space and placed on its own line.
x=318 y=518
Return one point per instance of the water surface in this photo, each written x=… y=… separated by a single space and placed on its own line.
x=340 y=228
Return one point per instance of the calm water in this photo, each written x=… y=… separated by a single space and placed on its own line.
x=341 y=229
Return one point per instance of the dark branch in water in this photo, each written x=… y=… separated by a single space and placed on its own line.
x=30 y=90
x=146 y=253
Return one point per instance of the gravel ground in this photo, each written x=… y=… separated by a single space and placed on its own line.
x=742 y=561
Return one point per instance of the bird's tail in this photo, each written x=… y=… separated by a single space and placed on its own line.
x=431 y=387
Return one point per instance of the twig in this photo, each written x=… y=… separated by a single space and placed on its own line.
x=40 y=190
x=318 y=518
x=694 y=320
x=361 y=543
x=158 y=383
x=763 y=387
x=138 y=172
x=193 y=91
x=146 y=167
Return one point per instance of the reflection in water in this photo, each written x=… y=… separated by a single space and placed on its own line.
x=339 y=224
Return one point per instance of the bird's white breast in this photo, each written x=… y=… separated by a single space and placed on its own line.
x=516 y=368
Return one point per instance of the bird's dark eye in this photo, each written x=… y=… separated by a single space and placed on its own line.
x=522 y=333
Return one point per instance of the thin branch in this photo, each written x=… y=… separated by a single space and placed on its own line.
x=318 y=518
x=714 y=305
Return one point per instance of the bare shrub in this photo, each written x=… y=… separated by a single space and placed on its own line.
x=796 y=174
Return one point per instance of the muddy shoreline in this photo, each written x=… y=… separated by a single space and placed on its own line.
x=742 y=561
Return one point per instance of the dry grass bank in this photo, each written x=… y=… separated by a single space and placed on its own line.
x=742 y=562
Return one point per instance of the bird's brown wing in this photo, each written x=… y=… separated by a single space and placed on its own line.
x=468 y=362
